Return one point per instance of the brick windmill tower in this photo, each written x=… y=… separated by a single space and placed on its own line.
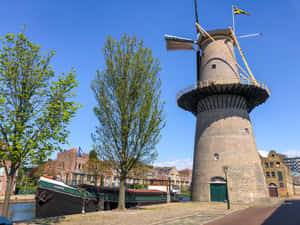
x=226 y=162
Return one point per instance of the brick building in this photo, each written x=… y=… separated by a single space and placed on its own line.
x=69 y=168
x=3 y=180
x=185 y=177
x=278 y=176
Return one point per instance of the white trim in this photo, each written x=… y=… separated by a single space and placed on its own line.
x=54 y=182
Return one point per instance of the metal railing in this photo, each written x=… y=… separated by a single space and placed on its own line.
x=207 y=83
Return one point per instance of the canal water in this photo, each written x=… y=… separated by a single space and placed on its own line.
x=21 y=211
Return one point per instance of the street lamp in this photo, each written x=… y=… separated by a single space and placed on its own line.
x=225 y=169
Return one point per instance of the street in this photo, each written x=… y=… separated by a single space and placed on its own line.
x=284 y=214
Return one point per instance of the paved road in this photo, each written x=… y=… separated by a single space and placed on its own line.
x=287 y=213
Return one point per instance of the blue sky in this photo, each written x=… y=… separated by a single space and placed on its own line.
x=77 y=31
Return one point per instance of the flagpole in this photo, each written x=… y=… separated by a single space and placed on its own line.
x=233 y=18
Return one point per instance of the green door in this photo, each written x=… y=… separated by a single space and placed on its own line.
x=218 y=192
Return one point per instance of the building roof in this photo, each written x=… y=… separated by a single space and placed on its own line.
x=72 y=150
x=186 y=170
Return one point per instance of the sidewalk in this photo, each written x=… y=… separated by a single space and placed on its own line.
x=173 y=213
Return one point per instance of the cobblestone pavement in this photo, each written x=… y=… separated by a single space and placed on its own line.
x=173 y=213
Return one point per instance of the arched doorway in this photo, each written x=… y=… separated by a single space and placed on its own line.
x=218 y=189
x=273 y=192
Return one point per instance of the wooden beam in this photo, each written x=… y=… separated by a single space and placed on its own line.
x=242 y=54
x=248 y=78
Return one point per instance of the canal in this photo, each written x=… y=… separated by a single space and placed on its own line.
x=21 y=211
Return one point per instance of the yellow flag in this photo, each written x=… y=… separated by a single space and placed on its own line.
x=239 y=11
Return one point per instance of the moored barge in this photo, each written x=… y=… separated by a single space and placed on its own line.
x=55 y=198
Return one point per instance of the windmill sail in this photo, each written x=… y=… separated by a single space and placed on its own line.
x=178 y=43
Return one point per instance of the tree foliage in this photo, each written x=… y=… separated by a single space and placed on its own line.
x=93 y=155
x=97 y=168
x=35 y=105
x=129 y=108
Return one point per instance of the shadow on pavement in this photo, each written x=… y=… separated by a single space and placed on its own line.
x=44 y=221
x=287 y=214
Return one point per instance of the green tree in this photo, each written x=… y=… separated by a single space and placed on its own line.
x=128 y=108
x=93 y=155
x=96 y=168
x=35 y=105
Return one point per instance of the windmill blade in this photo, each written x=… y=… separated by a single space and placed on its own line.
x=249 y=35
x=178 y=43
x=179 y=39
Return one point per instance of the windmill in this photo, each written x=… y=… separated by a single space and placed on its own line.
x=221 y=101
x=179 y=43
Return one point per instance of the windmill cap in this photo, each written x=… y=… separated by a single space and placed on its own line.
x=214 y=33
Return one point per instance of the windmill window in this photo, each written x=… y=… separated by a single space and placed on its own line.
x=216 y=156
x=213 y=66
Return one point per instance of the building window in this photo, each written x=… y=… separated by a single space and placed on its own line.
x=277 y=164
x=2 y=171
x=74 y=179
x=281 y=185
x=81 y=179
x=216 y=156
x=89 y=177
x=213 y=66
x=273 y=174
x=268 y=174
x=279 y=173
x=266 y=165
x=273 y=155
x=271 y=164
x=151 y=181
x=161 y=182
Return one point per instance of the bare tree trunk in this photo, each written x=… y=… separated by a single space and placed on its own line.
x=9 y=186
x=121 y=203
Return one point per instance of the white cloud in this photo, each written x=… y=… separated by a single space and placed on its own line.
x=179 y=163
x=263 y=153
x=289 y=153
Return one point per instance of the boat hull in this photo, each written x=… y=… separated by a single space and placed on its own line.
x=55 y=203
